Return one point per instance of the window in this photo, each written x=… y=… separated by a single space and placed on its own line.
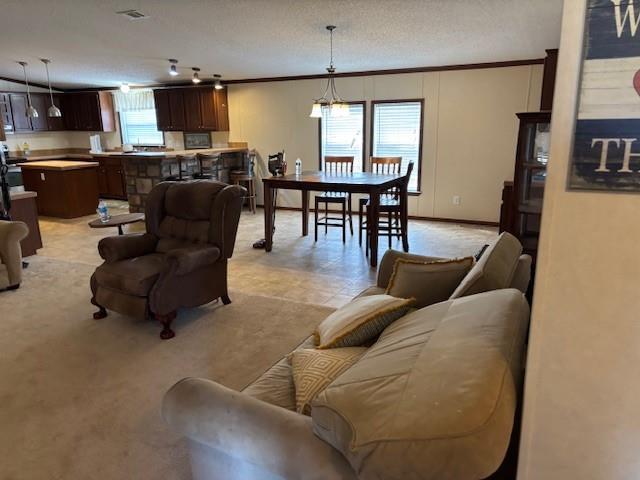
x=343 y=135
x=139 y=127
x=396 y=131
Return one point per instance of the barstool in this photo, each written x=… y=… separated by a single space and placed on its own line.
x=182 y=159
x=208 y=166
x=239 y=177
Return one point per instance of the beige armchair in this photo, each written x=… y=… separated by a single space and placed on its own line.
x=11 y=254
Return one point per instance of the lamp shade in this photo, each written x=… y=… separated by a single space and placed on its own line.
x=54 y=111
x=316 y=110
x=32 y=112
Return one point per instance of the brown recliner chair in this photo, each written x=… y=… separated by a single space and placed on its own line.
x=181 y=261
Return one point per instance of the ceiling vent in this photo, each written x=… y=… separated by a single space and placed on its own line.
x=132 y=14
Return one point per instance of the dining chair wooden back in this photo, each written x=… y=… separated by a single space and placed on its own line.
x=338 y=165
x=385 y=165
x=335 y=165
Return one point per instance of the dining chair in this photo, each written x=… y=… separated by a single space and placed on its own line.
x=380 y=166
x=335 y=165
x=389 y=222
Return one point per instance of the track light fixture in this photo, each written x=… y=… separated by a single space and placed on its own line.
x=196 y=75
x=173 y=69
x=216 y=83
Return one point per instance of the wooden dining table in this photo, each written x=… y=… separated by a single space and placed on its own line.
x=372 y=184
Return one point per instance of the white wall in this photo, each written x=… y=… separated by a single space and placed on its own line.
x=470 y=129
x=582 y=389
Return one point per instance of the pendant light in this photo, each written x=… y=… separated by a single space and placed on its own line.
x=216 y=84
x=31 y=112
x=53 y=111
x=330 y=97
x=196 y=75
x=173 y=69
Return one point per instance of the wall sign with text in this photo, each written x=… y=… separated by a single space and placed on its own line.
x=606 y=151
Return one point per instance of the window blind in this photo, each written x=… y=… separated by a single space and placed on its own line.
x=139 y=127
x=343 y=136
x=396 y=133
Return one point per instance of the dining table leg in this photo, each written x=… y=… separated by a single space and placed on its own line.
x=373 y=223
x=404 y=217
x=268 y=217
x=305 y=213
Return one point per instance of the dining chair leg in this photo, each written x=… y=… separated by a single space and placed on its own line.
x=344 y=222
x=360 y=225
x=316 y=220
x=390 y=230
x=326 y=217
x=252 y=199
x=350 y=217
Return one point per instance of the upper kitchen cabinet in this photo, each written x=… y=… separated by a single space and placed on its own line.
x=85 y=111
x=21 y=122
x=88 y=111
x=191 y=109
x=5 y=113
x=169 y=109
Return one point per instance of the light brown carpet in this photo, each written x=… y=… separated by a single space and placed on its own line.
x=80 y=399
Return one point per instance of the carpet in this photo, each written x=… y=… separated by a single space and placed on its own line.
x=80 y=398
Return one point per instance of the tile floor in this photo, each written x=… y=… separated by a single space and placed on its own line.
x=327 y=272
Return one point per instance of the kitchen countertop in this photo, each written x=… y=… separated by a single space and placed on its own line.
x=58 y=165
x=171 y=153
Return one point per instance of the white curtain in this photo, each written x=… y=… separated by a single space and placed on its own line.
x=136 y=99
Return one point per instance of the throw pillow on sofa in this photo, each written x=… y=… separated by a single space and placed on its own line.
x=427 y=282
x=360 y=321
x=314 y=370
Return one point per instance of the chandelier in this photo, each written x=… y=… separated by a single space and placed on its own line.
x=330 y=98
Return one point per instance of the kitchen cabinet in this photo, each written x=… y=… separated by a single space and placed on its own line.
x=169 y=109
x=191 y=109
x=88 y=111
x=21 y=122
x=5 y=113
x=41 y=103
x=55 y=124
x=111 y=179
x=84 y=111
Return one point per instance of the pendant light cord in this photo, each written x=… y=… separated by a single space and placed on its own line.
x=26 y=80
x=46 y=66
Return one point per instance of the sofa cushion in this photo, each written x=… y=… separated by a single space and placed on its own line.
x=134 y=276
x=313 y=370
x=436 y=394
x=494 y=270
x=275 y=386
x=360 y=321
x=388 y=261
x=427 y=282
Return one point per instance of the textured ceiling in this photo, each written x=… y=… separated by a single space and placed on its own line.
x=90 y=45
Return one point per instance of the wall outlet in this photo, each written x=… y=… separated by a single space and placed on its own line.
x=42 y=176
x=457 y=200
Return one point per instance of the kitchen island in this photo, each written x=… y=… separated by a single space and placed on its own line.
x=65 y=188
x=144 y=170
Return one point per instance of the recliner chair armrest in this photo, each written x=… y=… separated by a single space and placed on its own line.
x=226 y=215
x=389 y=259
x=250 y=430
x=190 y=258
x=10 y=253
x=121 y=247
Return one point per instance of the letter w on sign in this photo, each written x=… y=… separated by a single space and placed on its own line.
x=606 y=150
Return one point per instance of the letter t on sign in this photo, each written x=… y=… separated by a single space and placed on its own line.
x=605 y=151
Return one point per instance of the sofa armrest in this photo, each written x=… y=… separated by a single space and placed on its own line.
x=247 y=429
x=121 y=247
x=11 y=233
x=189 y=259
x=389 y=259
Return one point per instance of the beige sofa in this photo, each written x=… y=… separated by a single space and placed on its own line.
x=433 y=398
x=11 y=233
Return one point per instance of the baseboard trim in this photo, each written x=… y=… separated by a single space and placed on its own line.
x=411 y=217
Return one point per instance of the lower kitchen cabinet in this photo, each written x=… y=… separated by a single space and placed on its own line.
x=111 y=179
